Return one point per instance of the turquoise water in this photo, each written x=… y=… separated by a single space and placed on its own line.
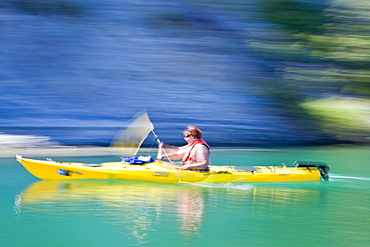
x=120 y=213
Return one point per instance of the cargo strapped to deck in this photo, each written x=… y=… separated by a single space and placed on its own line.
x=134 y=160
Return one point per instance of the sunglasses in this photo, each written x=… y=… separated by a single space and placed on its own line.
x=187 y=136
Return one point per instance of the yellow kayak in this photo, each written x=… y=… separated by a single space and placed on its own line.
x=164 y=172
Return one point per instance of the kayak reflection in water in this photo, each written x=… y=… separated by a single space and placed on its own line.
x=195 y=155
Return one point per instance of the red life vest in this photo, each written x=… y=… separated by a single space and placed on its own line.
x=199 y=141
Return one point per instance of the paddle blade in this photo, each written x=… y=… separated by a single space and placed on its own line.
x=128 y=140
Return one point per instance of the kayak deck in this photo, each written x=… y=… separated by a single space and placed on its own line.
x=163 y=172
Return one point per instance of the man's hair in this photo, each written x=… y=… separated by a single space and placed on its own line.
x=194 y=131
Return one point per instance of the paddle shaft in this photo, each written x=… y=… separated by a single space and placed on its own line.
x=159 y=141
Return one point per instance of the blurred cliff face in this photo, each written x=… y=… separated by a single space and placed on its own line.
x=76 y=70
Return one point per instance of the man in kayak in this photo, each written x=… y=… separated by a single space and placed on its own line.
x=195 y=155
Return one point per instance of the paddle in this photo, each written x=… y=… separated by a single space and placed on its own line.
x=129 y=139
